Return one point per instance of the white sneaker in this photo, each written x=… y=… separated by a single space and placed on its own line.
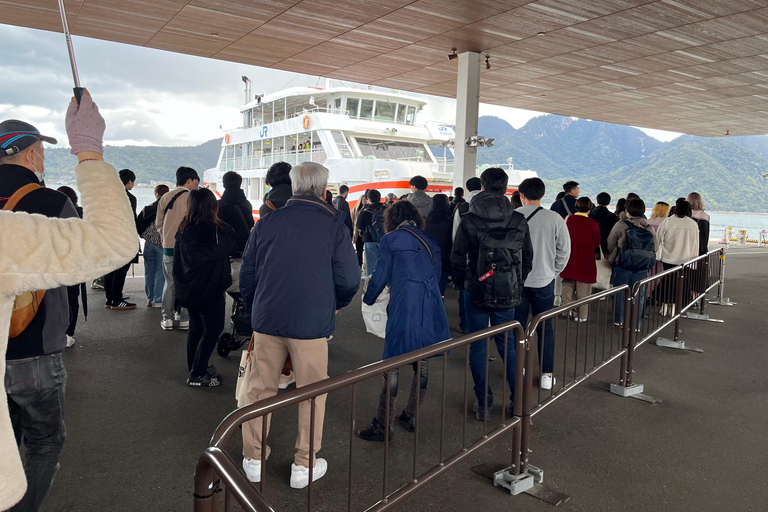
x=184 y=326
x=547 y=381
x=300 y=474
x=177 y=316
x=252 y=469
x=70 y=341
x=286 y=380
x=167 y=324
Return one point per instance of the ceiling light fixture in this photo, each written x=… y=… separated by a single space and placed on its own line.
x=539 y=34
x=452 y=55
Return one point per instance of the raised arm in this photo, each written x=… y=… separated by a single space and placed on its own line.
x=52 y=252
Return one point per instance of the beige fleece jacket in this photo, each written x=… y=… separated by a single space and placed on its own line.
x=37 y=252
x=167 y=223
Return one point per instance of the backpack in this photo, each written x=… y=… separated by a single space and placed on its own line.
x=499 y=269
x=26 y=305
x=639 y=253
x=376 y=228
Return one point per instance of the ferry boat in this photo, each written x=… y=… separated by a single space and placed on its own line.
x=366 y=138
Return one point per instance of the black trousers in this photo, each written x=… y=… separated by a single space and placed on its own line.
x=114 y=283
x=418 y=390
x=205 y=326
x=73 y=294
x=359 y=248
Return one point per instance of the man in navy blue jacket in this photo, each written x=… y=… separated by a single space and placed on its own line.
x=299 y=268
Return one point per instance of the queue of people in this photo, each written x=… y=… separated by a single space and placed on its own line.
x=508 y=259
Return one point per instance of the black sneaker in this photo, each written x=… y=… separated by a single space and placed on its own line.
x=407 y=421
x=108 y=304
x=206 y=381
x=375 y=432
x=122 y=305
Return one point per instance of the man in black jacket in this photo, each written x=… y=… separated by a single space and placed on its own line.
x=36 y=410
x=298 y=270
x=370 y=223
x=341 y=204
x=567 y=205
x=278 y=178
x=491 y=219
x=236 y=210
x=604 y=218
x=115 y=280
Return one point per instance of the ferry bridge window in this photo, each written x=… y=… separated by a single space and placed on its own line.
x=391 y=149
x=385 y=111
x=366 y=109
x=352 y=106
x=411 y=115
x=401 y=114
x=337 y=104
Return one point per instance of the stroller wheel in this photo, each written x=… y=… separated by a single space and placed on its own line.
x=224 y=346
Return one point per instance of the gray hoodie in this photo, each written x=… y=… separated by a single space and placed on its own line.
x=421 y=201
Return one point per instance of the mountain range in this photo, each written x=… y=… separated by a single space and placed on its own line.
x=727 y=171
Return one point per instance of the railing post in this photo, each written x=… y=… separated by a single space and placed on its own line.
x=722 y=300
x=205 y=491
x=632 y=314
x=679 y=300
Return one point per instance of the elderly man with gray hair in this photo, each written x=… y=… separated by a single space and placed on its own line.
x=298 y=270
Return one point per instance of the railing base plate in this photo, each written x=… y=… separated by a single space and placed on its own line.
x=678 y=345
x=547 y=495
x=626 y=391
x=704 y=317
x=515 y=484
x=724 y=302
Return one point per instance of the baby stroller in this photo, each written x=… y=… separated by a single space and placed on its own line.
x=241 y=327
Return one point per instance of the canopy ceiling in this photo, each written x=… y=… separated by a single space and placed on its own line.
x=692 y=66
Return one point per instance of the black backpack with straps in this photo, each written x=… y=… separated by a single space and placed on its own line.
x=499 y=270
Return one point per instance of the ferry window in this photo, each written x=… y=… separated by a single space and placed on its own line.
x=401 y=114
x=366 y=109
x=391 y=149
x=411 y=115
x=385 y=111
x=352 y=106
x=337 y=104
x=341 y=142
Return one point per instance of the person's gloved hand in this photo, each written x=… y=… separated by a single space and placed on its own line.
x=85 y=126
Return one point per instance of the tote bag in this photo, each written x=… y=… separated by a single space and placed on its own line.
x=375 y=316
x=244 y=375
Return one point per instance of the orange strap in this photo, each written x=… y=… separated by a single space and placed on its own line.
x=19 y=195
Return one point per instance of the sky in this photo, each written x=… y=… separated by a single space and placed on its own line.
x=153 y=97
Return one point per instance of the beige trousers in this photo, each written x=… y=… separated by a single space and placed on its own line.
x=573 y=290
x=310 y=364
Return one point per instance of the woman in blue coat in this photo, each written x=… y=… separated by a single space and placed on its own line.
x=409 y=262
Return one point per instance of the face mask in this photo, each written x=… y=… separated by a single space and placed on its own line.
x=40 y=174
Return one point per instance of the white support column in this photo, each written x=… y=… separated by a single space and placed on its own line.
x=467 y=111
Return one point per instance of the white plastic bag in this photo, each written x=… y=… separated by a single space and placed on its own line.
x=375 y=316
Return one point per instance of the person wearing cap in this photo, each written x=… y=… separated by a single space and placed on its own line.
x=41 y=257
x=567 y=204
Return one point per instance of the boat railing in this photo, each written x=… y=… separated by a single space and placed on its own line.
x=247 y=163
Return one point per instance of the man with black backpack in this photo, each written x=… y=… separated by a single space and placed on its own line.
x=632 y=244
x=492 y=256
x=370 y=223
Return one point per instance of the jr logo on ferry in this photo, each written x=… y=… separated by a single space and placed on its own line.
x=263 y=132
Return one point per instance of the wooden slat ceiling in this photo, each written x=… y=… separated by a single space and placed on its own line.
x=692 y=66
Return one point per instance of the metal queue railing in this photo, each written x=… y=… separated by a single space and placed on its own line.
x=616 y=322
x=217 y=473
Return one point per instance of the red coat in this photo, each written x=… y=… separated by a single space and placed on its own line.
x=585 y=238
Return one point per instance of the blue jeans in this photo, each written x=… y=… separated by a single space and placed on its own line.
x=371 y=254
x=35 y=390
x=623 y=276
x=153 y=273
x=463 y=298
x=539 y=300
x=478 y=319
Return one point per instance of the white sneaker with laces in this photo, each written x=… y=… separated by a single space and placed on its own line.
x=70 y=341
x=300 y=474
x=547 y=381
x=167 y=324
x=177 y=316
x=286 y=380
x=252 y=468
x=184 y=326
